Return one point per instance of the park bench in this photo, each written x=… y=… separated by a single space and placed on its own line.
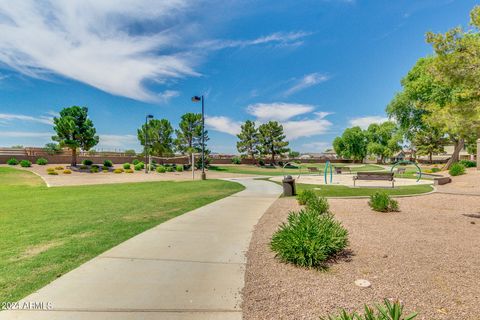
x=384 y=176
x=441 y=180
x=340 y=170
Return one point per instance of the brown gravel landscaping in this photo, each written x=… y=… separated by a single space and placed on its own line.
x=427 y=256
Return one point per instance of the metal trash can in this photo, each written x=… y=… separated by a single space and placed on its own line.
x=288 y=186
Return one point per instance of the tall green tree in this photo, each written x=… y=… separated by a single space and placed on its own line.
x=383 y=139
x=352 y=144
x=457 y=65
x=189 y=134
x=75 y=130
x=248 y=139
x=159 y=136
x=429 y=141
x=272 y=139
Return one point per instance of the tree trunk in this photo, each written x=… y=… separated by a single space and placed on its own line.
x=456 y=152
x=430 y=157
x=74 y=157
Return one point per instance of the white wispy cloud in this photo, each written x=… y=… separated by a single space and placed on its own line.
x=91 y=42
x=364 y=122
x=21 y=117
x=25 y=134
x=295 y=129
x=281 y=39
x=99 y=43
x=278 y=111
x=306 y=81
x=223 y=124
x=167 y=95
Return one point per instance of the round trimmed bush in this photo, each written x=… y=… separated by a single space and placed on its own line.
x=435 y=169
x=118 y=170
x=304 y=196
x=308 y=239
x=161 y=169
x=50 y=169
x=53 y=173
x=94 y=169
x=236 y=160
x=138 y=166
x=12 y=162
x=128 y=171
x=67 y=171
x=25 y=163
x=468 y=163
x=179 y=168
x=87 y=162
x=108 y=163
x=135 y=162
x=41 y=161
x=170 y=169
x=457 y=169
x=59 y=168
x=126 y=166
x=381 y=201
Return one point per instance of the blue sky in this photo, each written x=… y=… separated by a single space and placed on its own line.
x=316 y=66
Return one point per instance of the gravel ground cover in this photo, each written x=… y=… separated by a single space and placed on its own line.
x=427 y=256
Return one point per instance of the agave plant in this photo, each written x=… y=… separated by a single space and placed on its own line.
x=387 y=311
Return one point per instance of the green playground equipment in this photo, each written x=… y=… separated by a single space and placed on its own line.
x=327 y=166
x=408 y=162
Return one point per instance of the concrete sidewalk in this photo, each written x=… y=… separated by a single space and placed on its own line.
x=190 y=267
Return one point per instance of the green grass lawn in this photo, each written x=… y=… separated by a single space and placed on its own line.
x=344 y=191
x=278 y=171
x=46 y=232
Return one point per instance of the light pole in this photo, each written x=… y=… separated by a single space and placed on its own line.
x=149 y=116
x=198 y=99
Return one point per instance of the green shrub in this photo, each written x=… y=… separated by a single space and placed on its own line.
x=318 y=204
x=435 y=169
x=468 y=163
x=135 y=162
x=108 y=163
x=41 y=161
x=94 y=169
x=308 y=239
x=179 y=168
x=126 y=166
x=128 y=170
x=83 y=167
x=457 y=169
x=387 y=311
x=53 y=173
x=67 y=171
x=87 y=162
x=236 y=160
x=138 y=166
x=105 y=171
x=381 y=201
x=25 y=163
x=161 y=169
x=118 y=170
x=261 y=162
x=305 y=195
x=12 y=162
x=170 y=169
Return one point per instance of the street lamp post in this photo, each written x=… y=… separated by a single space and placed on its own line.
x=202 y=99
x=149 y=116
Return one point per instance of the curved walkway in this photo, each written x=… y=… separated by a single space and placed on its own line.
x=190 y=267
